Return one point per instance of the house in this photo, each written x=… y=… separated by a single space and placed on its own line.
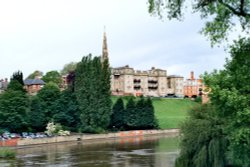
x=32 y=86
x=3 y=85
x=193 y=86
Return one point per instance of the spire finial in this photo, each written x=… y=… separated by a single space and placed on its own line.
x=104 y=45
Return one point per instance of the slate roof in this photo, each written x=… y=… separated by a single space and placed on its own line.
x=34 y=82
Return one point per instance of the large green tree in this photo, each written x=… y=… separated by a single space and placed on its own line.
x=118 y=115
x=231 y=98
x=203 y=142
x=130 y=114
x=48 y=96
x=14 y=105
x=92 y=87
x=221 y=16
x=53 y=76
x=36 y=115
x=18 y=76
x=66 y=111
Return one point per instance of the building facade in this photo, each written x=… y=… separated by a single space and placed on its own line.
x=193 y=87
x=3 y=85
x=32 y=86
x=155 y=82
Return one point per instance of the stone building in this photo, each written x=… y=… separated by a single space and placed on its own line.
x=155 y=82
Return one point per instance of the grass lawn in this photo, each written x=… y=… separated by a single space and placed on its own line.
x=169 y=112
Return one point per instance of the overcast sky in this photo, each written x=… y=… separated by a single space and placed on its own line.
x=44 y=35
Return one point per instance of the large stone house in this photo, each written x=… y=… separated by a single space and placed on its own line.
x=155 y=82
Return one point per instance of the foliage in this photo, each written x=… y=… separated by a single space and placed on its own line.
x=221 y=15
x=198 y=99
x=48 y=95
x=13 y=111
x=71 y=81
x=7 y=153
x=53 y=76
x=67 y=68
x=66 y=111
x=140 y=115
x=54 y=129
x=231 y=95
x=35 y=74
x=130 y=114
x=118 y=115
x=14 y=85
x=36 y=115
x=202 y=140
x=18 y=76
x=92 y=87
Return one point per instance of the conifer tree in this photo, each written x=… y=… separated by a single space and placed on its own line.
x=118 y=115
x=130 y=114
x=150 y=120
x=92 y=87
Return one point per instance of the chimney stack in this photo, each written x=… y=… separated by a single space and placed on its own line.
x=192 y=75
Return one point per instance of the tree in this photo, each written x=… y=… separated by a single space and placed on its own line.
x=118 y=115
x=203 y=142
x=67 y=68
x=15 y=86
x=36 y=115
x=230 y=96
x=48 y=96
x=221 y=15
x=53 y=76
x=131 y=114
x=66 y=111
x=18 y=76
x=92 y=87
x=13 y=111
x=35 y=74
x=150 y=120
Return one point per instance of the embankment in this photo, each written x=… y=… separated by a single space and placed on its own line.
x=81 y=137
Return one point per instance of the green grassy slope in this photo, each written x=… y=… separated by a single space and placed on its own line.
x=169 y=112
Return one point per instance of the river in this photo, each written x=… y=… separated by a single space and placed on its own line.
x=153 y=151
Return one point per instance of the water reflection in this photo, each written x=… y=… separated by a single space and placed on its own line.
x=157 y=151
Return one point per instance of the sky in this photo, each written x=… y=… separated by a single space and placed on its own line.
x=45 y=35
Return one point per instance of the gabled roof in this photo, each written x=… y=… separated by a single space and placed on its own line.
x=34 y=82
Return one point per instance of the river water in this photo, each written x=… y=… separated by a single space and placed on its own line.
x=153 y=151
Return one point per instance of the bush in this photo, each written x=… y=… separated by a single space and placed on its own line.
x=7 y=153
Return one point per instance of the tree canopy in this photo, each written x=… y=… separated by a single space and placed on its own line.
x=92 y=88
x=35 y=74
x=221 y=15
x=53 y=76
x=67 y=68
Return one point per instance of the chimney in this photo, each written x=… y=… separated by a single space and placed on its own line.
x=192 y=75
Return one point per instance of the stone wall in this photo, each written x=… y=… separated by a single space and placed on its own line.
x=82 y=137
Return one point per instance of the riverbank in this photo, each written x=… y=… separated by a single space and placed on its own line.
x=24 y=142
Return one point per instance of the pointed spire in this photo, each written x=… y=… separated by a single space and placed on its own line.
x=105 y=53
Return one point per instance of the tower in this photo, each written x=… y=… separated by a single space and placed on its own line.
x=105 y=53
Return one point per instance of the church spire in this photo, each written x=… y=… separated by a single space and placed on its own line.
x=105 y=53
